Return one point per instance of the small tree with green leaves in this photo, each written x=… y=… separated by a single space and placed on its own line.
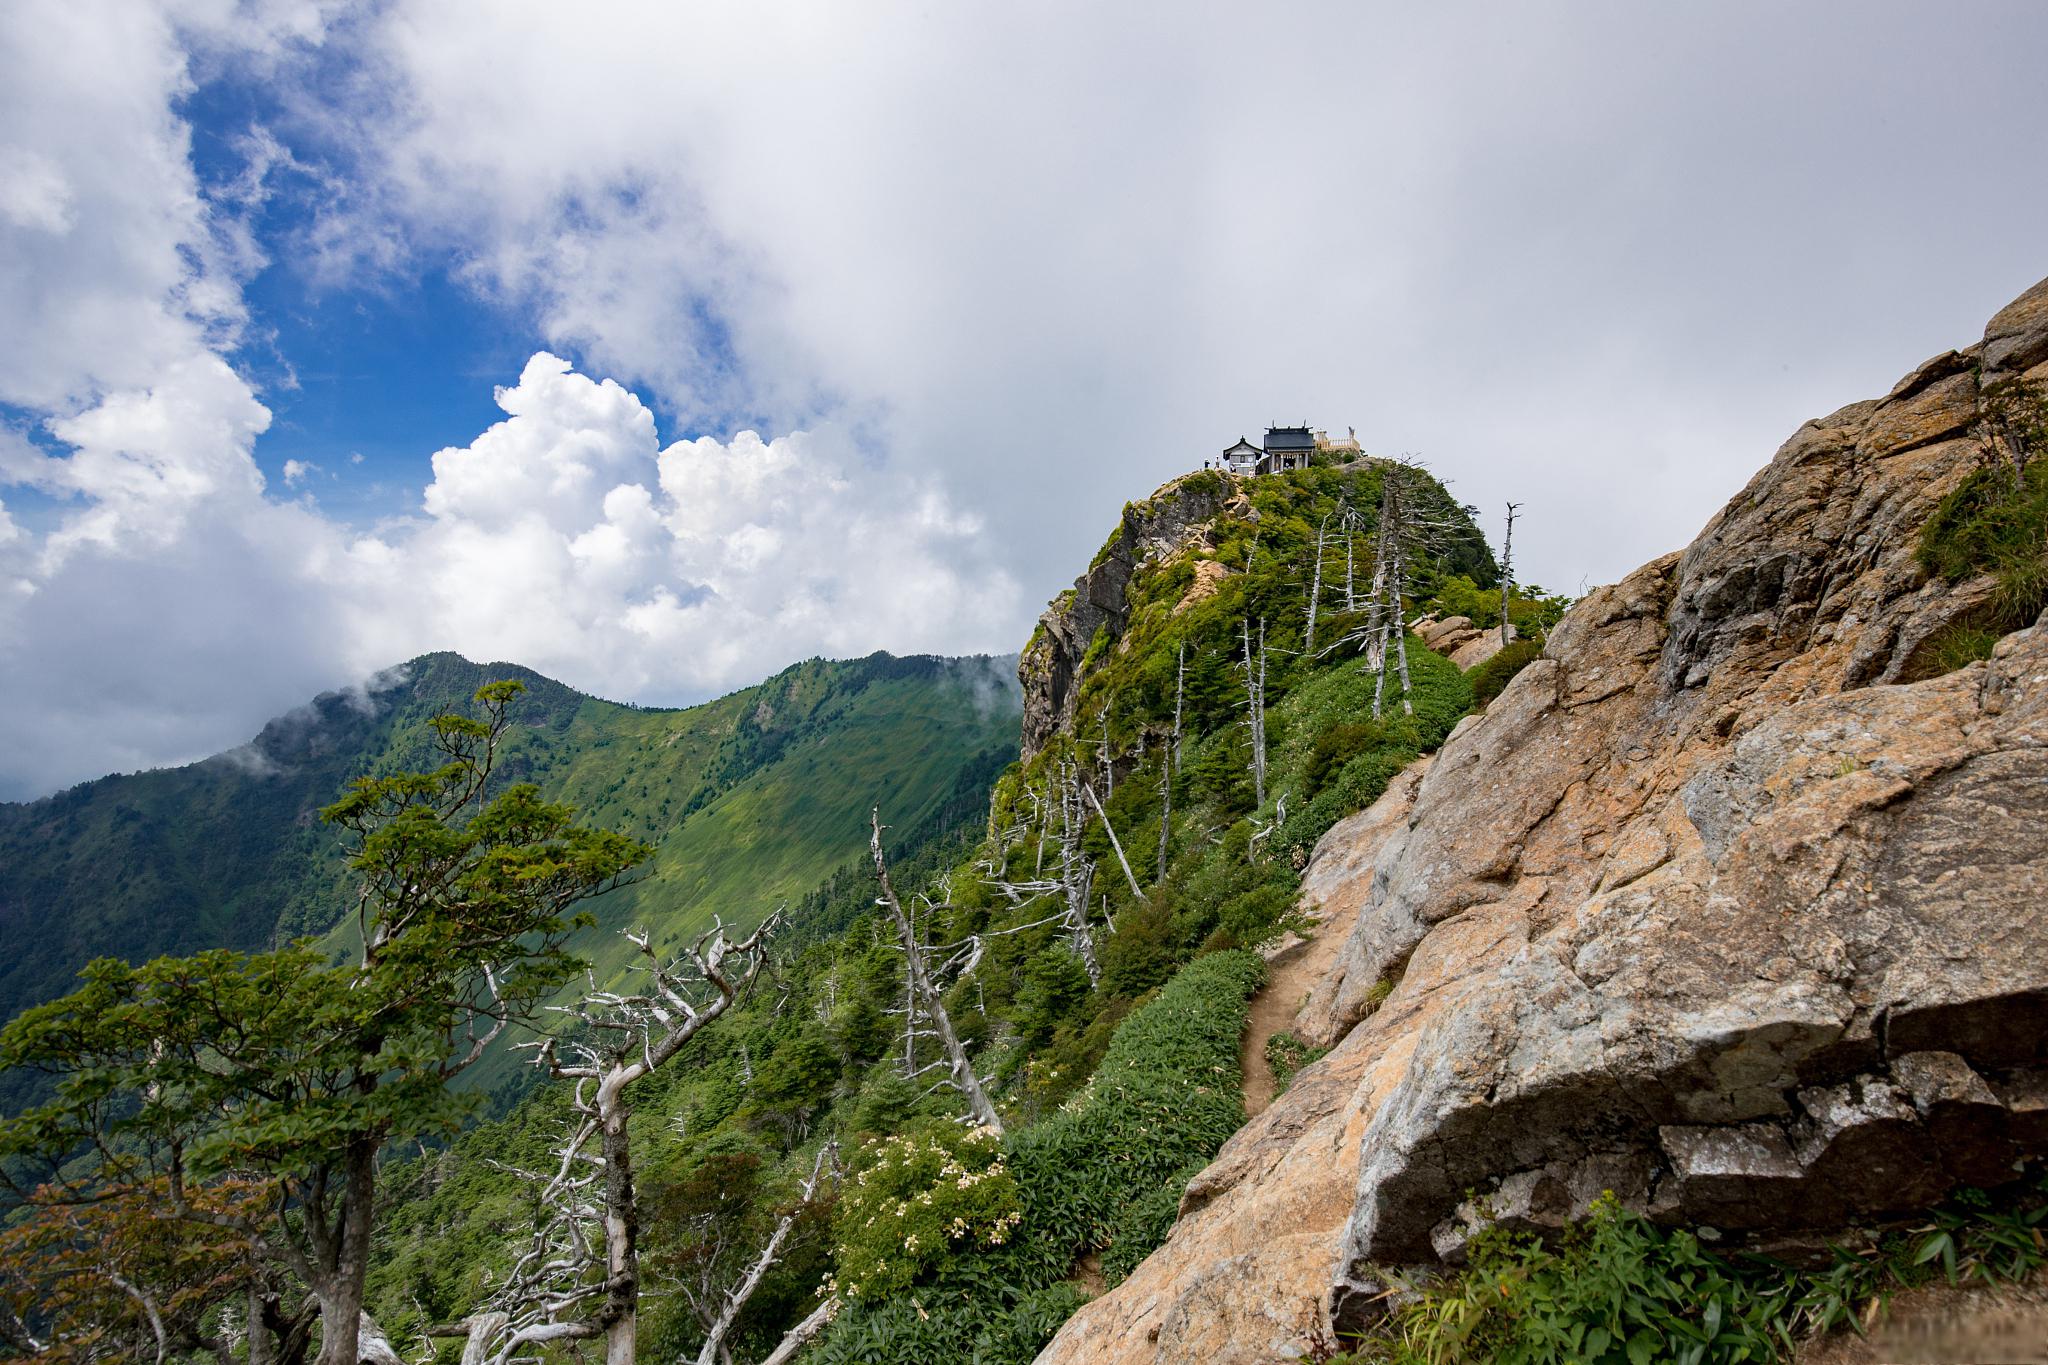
x=282 y=1069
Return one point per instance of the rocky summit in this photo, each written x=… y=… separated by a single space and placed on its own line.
x=1731 y=904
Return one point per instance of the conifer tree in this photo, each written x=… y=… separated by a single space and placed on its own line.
x=281 y=1069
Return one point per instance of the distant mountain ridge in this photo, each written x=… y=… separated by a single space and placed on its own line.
x=749 y=800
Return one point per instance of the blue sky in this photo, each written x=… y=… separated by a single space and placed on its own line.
x=383 y=366
x=679 y=343
x=386 y=374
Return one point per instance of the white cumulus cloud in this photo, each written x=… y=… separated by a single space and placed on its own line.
x=568 y=538
x=174 y=601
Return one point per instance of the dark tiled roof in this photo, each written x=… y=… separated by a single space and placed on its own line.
x=1243 y=447
x=1290 y=438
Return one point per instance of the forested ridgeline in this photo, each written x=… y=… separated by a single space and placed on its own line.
x=750 y=799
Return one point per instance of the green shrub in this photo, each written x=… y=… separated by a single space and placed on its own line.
x=1094 y=1176
x=1016 y=1335
x=1167 y=1094
x=1335 y=747
x=1531 y=610
x=1140 y=954
x=884 y=1102
x=1458 y=595
x=1052 y=984
x=1616 y=1291
x=913 y=1201
x=1358 y=785
x=1212 y=876
x=1064 y=1065
x=1143 y=1224
x=1287 y=1054
x=1254 y=917
x=1491 y=678
x=1343 y=759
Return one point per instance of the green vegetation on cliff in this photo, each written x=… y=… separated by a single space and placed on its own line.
x=1995 y=522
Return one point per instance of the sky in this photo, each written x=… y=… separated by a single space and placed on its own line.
x=658 y=346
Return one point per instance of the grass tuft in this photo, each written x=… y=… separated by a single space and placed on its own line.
x=1616 y=1289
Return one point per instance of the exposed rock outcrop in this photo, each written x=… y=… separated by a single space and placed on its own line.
x=1716 y=907
x=1165 y=524
x=1460 y=641
x=1480 y=648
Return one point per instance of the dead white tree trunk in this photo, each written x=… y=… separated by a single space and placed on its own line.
x=1377 y=618
x=482 y=1328
x=1507 y=573
x=1388 y=609
x=1400 y=532
x=1350 y=547
x=1401 y=657
x=714 y=1341
x=551 y=1295
x=959 y=1067
x=1255 y=706
x=1038 y=815
x=1395 y=532
x=910 y=1030
x=1260 y=753
x=1077 y=875
x=800 y=1335
x=1114 y=842
x=1315 y=592
x=1108 y=766
x=1072 y=886
x=372 y=1346
x=1180 y=682
x=1165 y=817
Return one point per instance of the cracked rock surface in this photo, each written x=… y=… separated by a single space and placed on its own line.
x=1714 y=908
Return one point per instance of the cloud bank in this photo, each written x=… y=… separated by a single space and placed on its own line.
x=982 y=275
x=173 y=585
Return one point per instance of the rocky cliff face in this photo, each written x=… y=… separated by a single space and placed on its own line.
x=1165 y=524
x=1716 y=907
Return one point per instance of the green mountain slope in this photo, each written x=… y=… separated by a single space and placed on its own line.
x=750 y=800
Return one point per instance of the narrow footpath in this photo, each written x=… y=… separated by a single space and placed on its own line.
x=1290 y=975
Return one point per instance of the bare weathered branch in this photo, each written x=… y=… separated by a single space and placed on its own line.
x=924 y=995
x=552 y=1292
x=827 y=1163
x=800 y=1335
x=1114 y=842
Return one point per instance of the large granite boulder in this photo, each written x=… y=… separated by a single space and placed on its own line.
x=1723 y=905
x=1457 y=639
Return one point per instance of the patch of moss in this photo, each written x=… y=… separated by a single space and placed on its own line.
x=1097 y=647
